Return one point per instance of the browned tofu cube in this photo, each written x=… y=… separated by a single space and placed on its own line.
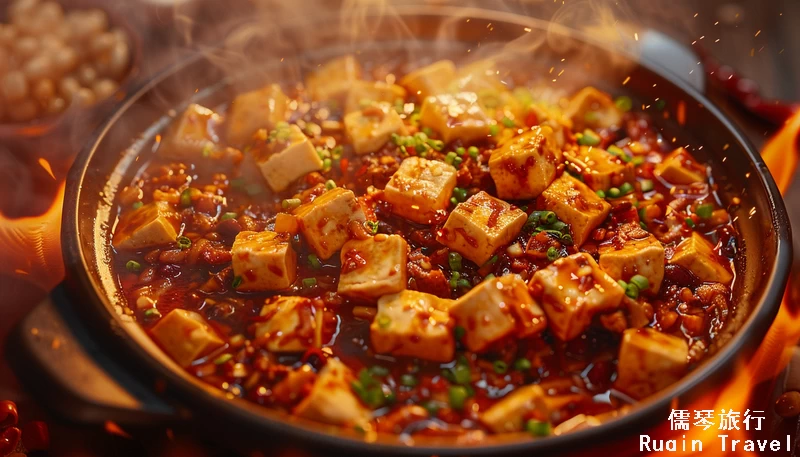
x=374 y=267
x=497 y=308
x=599 y=169
x=289 y=324
x=414 y=324
x=185 y=336
x=573 y=289
x=363 y=94
x=697 y=255
x=371 y=128
x=649 y=361
x=324 y=221
x=249 y=112
x=193 y=133
x=679 y=167
x=594 y=109
x=264 y=260
x=643 y=256
x=480 y=226
x=332 y=401
x=456 y=116
x=430 y=80
x=510 y=413
x=420 y=189
x=523 y=167
x=284 y=162
x=334 y=79
x=575 y=204
x=154 y=224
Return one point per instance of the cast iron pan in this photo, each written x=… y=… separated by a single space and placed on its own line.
x=417 y=35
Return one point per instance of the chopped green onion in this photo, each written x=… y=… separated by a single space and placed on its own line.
x=330 y=184
x=454 y=201
x=500 y=367
x=454 y=259
x=437 y=145
x=643 y=226
x=152 y=313
x=559 y=226
x=537 y=428
x=625 y=188
x=459 y=332
x=705 y=210
x=326 y=164
x=492 y=261
x=552 y=253
x=638 y=160
x=186 y=198
x=420 y=148
x=290 y=203
x=647 y=185
x=632 y=291
x=522 y=364
x=372 y=226
x=613 y=192
x=227 y=216
x=462 y=374
x=222 y=359
x=457 y=161
x=432 y=407
x=137 y=205
x=133 y=266
x=622 y=284
x=450 y=158
x=454 y=279
x=615 y=150
x=463 y=284
x=624 y=103
x=690 y=222
x=184 y=242
x=489 y=276
x=460 y=193
x=460 y=151
x=601 y=194
x=508 y=122
x=408 y=380
x=309 y=282
x=640 y=281
x=377 y=370
x=567 y=239
x=427 y=131
x=313 y=260
x=458 y=396
x=494 y=129
x=588 y=138
x=237 y=281
x=384 y=321
x=473 y=152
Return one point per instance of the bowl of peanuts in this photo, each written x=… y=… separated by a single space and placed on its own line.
x=59 y=58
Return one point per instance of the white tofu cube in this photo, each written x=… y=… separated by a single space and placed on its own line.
x=264 y=260
x=697 y=255
x=430 y=80
x=324 y=221
x=154 y=224
x=332 y=401
x=649 y=361
x=367 y=93
x=480 y=226
x=599 y=169
x=523 y=167
x=509 y=414
x=644 y=256
x=495 y=309
x=284 y=162
x=456 y=116
x=193 y=133
x=185 y=336
x=572 y=290
x=594 y=109
x=334 y=79
x=575 y=204
x=289 y=324
x=480 y=77
x=251 y=111
x=680 y=167
x=371 y=128
x=420 y=189
x=413 y=324
x=374 y=267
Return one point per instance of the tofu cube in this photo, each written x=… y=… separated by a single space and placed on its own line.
x=679 y=167
x=371 y=128
x=264 y=260
x=185 y=336
x=334 y=79
x=697 y=255
x=495 y=309
x=430 y=80
x=193 y=133
x=251 y=111
x=573 y=289
x=480 y=226
x=420 y=189
x=331 y=399
x=367 y=93
x=414 y=324
x=599 y=169
x=575 y=204
x=649 y=361
x=594 y=109
x=284 y=162
x=509 y=414
x=524 y=167
x=154 y=224
x=324 y=221
x=644 y=256
x=374 y=267
x=289 y=324
x=480 y=77
x=456 y=116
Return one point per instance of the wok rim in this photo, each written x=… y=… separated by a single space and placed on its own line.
x=97 y=304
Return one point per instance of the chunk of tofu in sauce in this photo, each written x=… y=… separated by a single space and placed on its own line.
x=289 y=324
x=371 y=128
x=420 y=189
x=363 y=94
x=640 y=254
x=154 y=224
x=373 y=267
x=697 y=255
x=509 y=414
x=594 y=109
x=324 y=221
x=455 y=116
x=195 y=133
x=649 y=361
x=526 y=165
x=251 y=111
x=575 y=204
x=430 y=80
x=680 y=168
x=334 y=79
x=284 y=161
x=332 y=401
x=264 y=261
x=599 y=169
x=185 y=336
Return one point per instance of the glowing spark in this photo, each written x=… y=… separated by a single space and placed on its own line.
x=46 y=165
x=561 y=72
x=636 y=36
x=681 y=113
x=716 y=41
x=527 y=29
x=626 y=80
x=758 y=33
x=696 y=14
x=158 y=138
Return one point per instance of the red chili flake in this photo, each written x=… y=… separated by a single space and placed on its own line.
x=36 y=436
x=8 y=414
x=531 y=119
x=343 y=165
x=362 y=170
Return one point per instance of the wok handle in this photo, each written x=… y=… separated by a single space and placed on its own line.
x=52 y=351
